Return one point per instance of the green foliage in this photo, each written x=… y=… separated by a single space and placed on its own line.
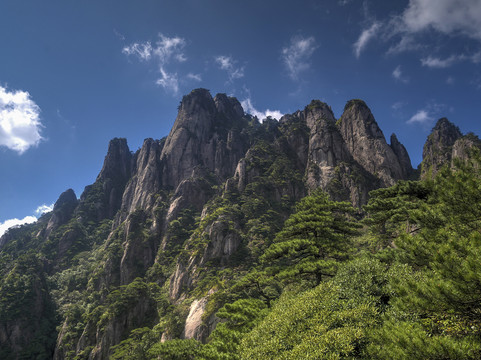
x=391 y=210
x=239 y=318
x=314 y=239
x=316 y=324
x=177 y=350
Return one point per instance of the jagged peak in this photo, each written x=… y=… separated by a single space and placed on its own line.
x=197 y=99
x=117 y=161
x=444 y=125
x=317 y=110
x=68 y=196
x=228 y=105
x=394 y=140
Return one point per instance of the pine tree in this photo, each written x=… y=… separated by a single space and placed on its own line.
x=314 y=239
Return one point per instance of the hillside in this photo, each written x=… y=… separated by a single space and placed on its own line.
x=230 y=237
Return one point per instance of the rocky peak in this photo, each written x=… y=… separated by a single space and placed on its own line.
x=62 y=210
x=117 y=163
x=402 y=155
x=316 y=111
x=437 y=150
x=204 y=134
x=367 y=144
x=229 y=106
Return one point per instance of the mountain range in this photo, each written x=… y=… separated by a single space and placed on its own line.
x=151 y=241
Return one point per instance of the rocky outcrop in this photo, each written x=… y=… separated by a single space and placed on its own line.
x=326 y=146
x=206 y=133
x=62 y=211
x=463 y=146
x=145 y=183
x=367 y=144
x=103 y=199
x=438 y=148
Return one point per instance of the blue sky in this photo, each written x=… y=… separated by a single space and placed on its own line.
x=74 y=74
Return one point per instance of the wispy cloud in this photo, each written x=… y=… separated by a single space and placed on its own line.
x=143 y=50
x=398 y=75
x=366 y=36
x=261 y=115
x=421 y=117
x=435 y=62
x=169 y=81
x=165 y=51
x=7 y=224
x=196 y=77
x=20 y=125
x=228 y=64
x=296 y=56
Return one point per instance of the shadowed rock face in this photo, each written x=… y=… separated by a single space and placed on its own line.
x=62 y=211
x=402 y=156
x=367 y=144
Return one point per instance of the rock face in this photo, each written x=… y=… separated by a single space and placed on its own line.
x=367 y=144
x=145 y=181
x=438 y=148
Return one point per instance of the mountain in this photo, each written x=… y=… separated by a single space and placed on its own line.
x=151 y=242
x=443 y=145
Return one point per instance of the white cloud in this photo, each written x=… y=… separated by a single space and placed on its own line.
x=398 y=75
x=228 y=64
x=7 y=224
x=169 y=47
x=413 y=28
x=421 y=117
x=166 y=51
x=196 y=77
x=296 y=55
x=450 y=80
x=20 y=124
x=168 y=81
x=261 y=115
x=366 y=36
x=445 y=16
x=43 y=209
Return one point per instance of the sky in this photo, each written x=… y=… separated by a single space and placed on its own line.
x=75 y=74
